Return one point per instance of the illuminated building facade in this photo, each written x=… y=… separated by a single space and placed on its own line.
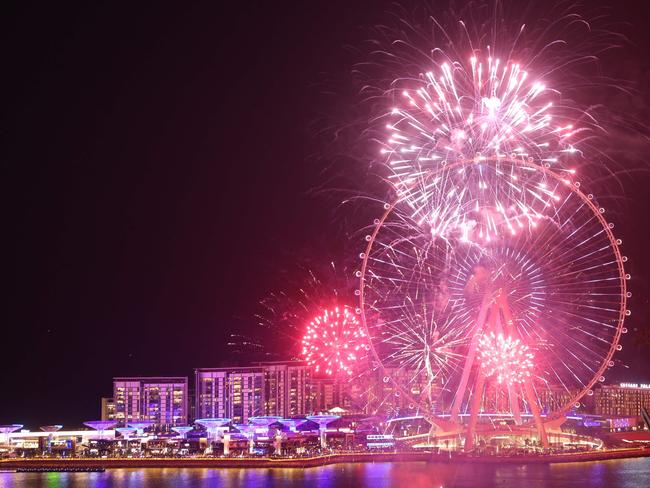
x=623 y=400
x=385 y=398
x=349 y=394
x=238 y=393
x=163 y=400
x=287 y=387
x=108 y=409
x=234 y=393
x=325 y=394
x=553 y=399
x=369 y=393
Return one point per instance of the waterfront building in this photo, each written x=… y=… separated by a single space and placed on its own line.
x=161 y=400
x=349 y=395
x=108 y=408
x=53 y=441
x=238 y=393
x=622 y=400
x=234 y=393
x=286 y=387
x=191 y=405
x=324 y=394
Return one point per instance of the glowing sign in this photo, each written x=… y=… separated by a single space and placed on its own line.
x=643 y=386
x=380 y=437
x=380 y=445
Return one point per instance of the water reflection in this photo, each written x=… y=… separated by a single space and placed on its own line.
x=621 y=473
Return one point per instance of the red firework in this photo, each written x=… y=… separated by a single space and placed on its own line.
x=334 y=342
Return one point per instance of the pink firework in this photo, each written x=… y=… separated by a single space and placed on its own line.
x=504 y=357
x=486 y=109
x=334 y=342
x=458 y=143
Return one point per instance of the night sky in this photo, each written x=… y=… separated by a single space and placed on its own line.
x=163 y=165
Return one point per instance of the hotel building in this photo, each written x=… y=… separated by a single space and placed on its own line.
x=162 y=400
x=622 y=400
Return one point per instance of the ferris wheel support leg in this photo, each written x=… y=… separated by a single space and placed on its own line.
x=469 y=362
x=534 y=409
x=509 y=325
x=473 y=413
x=514 y=405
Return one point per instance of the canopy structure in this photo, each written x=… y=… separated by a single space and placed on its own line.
x=126 y=432
x=265 y=420
x=249 y=431
x=8 y=429
x=141 y=425
x=262 y=423
x=100 y=426
x=322 y=421
x=216 y=429
x=213 y=426
x=182 y=430
x=293 y=424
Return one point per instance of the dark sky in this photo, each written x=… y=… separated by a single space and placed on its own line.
x=159 y=166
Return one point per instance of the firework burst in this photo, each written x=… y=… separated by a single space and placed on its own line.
x=458 y=150
x=334 y=342
x=505 y=358
x=461 y=109
x=312 y=292
x=490 y=109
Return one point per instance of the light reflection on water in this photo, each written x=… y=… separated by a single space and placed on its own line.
x=620 y=473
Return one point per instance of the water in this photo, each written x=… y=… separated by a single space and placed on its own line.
x=620 y=473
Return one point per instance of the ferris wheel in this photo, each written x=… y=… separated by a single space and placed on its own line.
x=493 y=285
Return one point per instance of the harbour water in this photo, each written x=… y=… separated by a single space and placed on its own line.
x=617 y=473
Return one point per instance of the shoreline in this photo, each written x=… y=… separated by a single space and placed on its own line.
x=114 y=463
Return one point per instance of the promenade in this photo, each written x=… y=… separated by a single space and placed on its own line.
x=307 y=462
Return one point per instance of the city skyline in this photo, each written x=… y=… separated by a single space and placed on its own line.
x=292 y=389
